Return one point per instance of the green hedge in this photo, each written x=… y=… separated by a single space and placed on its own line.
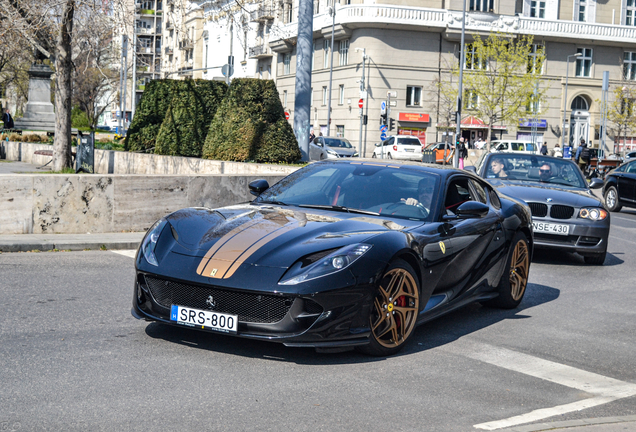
x=149 y=115
x=250 y=125
x=185 y=127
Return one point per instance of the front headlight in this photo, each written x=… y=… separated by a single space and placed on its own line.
x=356 y=155
x=594 y=213
x=331 y=152
x=150 y=241
x=332 y=263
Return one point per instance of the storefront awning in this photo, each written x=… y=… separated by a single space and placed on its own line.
x=414 y=117
x=472 y=122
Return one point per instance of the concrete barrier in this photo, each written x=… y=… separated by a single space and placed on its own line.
x=81 y=203
x=119 y=162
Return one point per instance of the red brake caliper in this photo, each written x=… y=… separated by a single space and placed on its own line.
x=401 y=302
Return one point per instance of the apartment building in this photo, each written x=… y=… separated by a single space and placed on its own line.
x=410 y=43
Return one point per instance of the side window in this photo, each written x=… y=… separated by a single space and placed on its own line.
x=494 y=198
x=458 y=192
x=631 y=168
x=479 y=192
x=502 y=146
x=516 y=146
x=389 y=141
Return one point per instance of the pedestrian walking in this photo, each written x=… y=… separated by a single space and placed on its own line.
x=462 y=152
x=557 y=151
x=544 y=149
x=7 y=119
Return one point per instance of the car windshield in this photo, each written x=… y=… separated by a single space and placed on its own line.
x=341 y=143
x=360 y=186
x=409 y=141
x=534 y=168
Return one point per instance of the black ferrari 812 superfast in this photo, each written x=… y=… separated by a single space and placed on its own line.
x=338 y=254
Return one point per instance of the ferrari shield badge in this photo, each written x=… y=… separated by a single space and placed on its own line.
x=442 y=246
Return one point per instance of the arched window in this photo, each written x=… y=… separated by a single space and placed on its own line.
x=579 y=103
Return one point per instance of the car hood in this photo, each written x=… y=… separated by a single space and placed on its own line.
x=540 y=192
x=342 y=151
x=224 y=239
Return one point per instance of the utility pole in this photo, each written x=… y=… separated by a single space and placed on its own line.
x=363 y=96
x=230 y=59
x=133 y=100
x=125 y=83
x=458 y=113
x=302 y=99
x=332 y=12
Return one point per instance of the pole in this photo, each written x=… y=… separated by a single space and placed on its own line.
x=458 y=114
x=533 y=129
x=302 y=98
x=332 y=11
x=362 y=89
x=121 y=81
x=133 y=100
x=123 y=113
x=565 y=98
x=230 y=59
x=601 y=149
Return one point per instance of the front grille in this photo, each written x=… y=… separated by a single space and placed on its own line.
x=538 y=209
x=254 y=308
x=556 y=239
x=561 y=212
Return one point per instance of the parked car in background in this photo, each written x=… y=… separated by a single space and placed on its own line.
x=565 y=213
x=619 y=188
x=508 y=146
x=630 y=156
x=405 y=147
x=104 y=128
x=443 y=151
x=331 y=148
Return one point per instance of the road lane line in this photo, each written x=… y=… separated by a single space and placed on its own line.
x=127 y=252
x=601 y=389
x=622 y=239
x=622 y=218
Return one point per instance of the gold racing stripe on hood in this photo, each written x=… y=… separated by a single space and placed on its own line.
x=236 y=247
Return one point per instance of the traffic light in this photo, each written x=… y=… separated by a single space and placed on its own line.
x=364 y=119
x=383 y=118
x=391 y=124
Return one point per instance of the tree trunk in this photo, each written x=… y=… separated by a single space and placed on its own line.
x=63 y=90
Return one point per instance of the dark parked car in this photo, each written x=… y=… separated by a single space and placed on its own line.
x=619 y=188
x=331 y=148
x=348 y=253
x=565 y=213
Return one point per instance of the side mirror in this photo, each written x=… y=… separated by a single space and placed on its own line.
x=471 y=168
x=378 y=144
x=318 y=143
x=596 y=183
x=257 y=187
x=472 y=209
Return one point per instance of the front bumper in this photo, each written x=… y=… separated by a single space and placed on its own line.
x=584 y=237
x=335 y=318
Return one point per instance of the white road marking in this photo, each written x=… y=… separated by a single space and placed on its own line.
x=602 y=389
x=127 y=252
x=622 y=218
x=622 y=239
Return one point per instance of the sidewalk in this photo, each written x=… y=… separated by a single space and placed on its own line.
x=603 y=424
x=73 y=242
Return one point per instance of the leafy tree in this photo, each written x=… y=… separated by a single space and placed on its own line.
x=501 y=76
x=621 y=111
x=250 y=125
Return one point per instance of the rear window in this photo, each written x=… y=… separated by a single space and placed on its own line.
x=410 y=141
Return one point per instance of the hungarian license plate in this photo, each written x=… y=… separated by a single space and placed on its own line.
x=551 y=228
x=409 y=150
x=209 y=320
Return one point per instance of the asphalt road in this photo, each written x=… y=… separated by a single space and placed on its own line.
x=73 y=358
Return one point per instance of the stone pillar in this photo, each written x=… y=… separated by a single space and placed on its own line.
x=39 y=113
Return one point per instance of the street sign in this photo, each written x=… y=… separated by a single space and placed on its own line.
x=363 y=94
x=383 y=107
x=361 y=103
x=286 y=115
x=393 y=103
x=383 y=128
x=383 y=136
x=391 y=94
x=227 y=70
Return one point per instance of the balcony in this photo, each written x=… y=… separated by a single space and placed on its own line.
x=146 y=11
x=262 y=14
x=168 y=51
x=185 y=44
x=169 y=25
x=144 y=31
x=443 y=20
x=260 y=51
x=144 y=50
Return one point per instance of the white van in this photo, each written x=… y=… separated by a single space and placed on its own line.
x=509 y=146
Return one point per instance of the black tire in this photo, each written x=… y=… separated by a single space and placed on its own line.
x=611 y=199
x=514 y=281
x=394 y=311
x=596 y=259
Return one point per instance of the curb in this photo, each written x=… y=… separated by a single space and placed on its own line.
x=596 y=424
x=69 y=242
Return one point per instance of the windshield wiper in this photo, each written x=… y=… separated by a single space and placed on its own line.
x=270 y=202
x=339 y=208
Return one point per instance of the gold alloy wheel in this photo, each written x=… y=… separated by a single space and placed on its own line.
x=519 y=266
x=395 y=308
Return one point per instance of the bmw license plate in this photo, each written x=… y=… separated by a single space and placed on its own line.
x=551 y=228
x=209 y=320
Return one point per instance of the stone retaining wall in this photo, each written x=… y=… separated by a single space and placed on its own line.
x=81 y=203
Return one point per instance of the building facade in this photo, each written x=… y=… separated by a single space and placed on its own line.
x=410 y=44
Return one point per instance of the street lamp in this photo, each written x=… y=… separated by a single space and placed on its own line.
x=565 y=97
x=332 y=12
x=458 y=113
x=362 y=91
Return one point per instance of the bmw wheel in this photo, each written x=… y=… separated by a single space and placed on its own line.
x=611 y=200
x=513 y=283
x=394 y=311
x=597 y=259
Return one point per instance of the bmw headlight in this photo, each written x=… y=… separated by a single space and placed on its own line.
x=594 y=213
x=332 y=263
x=150 y=241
